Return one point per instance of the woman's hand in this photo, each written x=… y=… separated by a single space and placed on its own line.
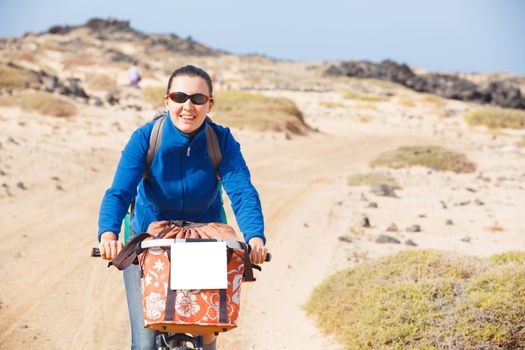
x=109 y=246
x=258 y=253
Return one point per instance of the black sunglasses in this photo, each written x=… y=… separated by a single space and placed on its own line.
x=181 y=97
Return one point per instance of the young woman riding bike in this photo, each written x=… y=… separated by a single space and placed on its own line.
x=181 y=184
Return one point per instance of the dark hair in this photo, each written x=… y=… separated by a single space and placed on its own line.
x=191 y=71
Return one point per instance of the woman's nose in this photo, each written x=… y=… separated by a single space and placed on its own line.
x=188 y=104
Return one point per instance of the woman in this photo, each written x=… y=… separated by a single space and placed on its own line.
x=181 y=184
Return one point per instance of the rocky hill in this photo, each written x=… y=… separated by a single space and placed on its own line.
x=89 y=62
x=503 y=92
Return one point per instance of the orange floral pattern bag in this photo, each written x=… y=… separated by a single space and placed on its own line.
x=186 y=311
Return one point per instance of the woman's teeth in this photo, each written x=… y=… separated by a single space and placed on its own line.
x=187 y=117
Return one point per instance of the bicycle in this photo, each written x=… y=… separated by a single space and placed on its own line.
x=167 y=340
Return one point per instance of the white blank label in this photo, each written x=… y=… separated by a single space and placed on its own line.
x=199 y=265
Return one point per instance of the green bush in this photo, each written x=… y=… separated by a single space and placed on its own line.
x=494 y=118
x=432 y=157
x=425 y=299
x=257 y=112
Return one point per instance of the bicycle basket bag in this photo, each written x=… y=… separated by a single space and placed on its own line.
x=188 y=310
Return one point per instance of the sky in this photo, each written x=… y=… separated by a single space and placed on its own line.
x=436 y=35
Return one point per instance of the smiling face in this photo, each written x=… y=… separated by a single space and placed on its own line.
x=187 y=116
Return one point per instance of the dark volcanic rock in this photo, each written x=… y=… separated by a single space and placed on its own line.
x=51 y=83
x=410 y=243
x=414 y=228
x=501 y=93
x=387 y=239
x=365 y=222
x=505 y=94
x=383 y=190
x=59 y=30
x=98 y=24
x=112 y=98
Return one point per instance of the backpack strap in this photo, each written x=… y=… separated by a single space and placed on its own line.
x=154 y=143
x=214 y=149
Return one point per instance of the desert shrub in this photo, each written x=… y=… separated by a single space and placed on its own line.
x=12 y=78
x=424 y=299
x=371 y=179
x=41 y=102
x=331 y=104
x=433 y=99
x=497 y=118
x=154 y=95
x=365 y=118
x=406 y=101
x=101 y=82
x=257 y=112
x=433 y=157
x=352 y=95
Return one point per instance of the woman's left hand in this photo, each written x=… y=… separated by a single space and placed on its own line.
x=258 y=253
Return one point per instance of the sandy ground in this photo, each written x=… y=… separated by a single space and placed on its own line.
x=54 y=173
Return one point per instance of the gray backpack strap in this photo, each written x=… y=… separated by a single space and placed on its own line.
x=154 y=143
x=214 y=149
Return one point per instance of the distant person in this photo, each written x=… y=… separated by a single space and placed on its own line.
x=134 y=75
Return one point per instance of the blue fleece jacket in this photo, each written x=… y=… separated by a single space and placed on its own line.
x=181 y=184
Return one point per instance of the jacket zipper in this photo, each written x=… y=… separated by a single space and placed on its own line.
x=182 y=186
x=188 y=152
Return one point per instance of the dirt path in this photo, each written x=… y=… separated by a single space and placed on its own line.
x=56 y=297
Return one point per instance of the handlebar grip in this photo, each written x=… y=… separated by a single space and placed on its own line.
x=95 y=252
x=268 y=257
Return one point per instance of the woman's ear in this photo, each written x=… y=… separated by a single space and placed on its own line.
x=211 y=103
x=166 y=102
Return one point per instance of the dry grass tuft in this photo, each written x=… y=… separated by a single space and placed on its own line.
x=41 y=102
x=372 y=179
x=154 y=95
x=331 y=104
x=257 y=112
x=434 y=99
x=432 y=157
x=406 y=101
x=494 y=118
x=353 y=95
x=101 y=82
x=12 y=78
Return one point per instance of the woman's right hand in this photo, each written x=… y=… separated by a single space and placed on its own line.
x=109 y=246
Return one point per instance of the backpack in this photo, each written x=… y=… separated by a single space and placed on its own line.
x=214 y=152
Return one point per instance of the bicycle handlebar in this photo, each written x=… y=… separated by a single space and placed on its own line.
x=95 y=252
